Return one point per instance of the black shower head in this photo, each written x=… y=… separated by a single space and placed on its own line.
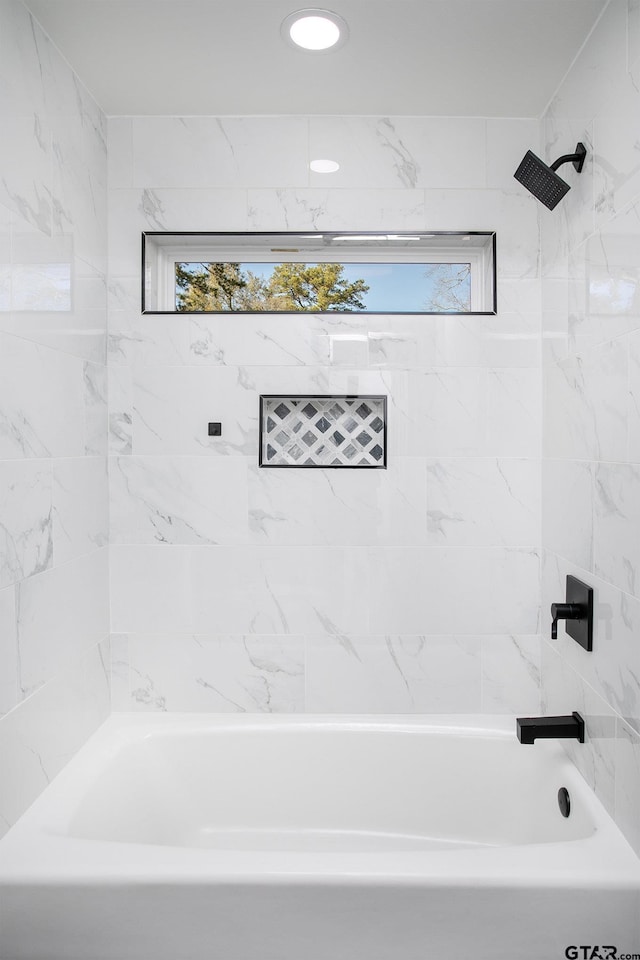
x=542 y=181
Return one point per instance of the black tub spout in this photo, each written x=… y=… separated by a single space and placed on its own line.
x=548 y=728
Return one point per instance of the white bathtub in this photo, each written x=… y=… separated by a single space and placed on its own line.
x=216 y=838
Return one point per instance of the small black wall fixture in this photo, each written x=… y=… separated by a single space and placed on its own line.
x=542 y=180
x=577 y=611
x=529 y=729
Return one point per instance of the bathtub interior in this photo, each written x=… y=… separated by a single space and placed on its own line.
x=322 y=784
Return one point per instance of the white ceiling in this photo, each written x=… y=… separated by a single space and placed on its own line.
x=414 y=57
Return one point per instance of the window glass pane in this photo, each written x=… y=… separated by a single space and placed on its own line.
x=207 y=286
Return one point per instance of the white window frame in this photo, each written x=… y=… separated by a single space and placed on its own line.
x=161 y=252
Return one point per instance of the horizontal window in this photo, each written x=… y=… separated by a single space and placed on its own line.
x=319 y=273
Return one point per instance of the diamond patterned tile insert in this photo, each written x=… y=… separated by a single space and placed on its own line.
x=323 y=431
x=350 y=424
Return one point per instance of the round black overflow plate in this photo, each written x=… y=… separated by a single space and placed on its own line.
x=564 y=801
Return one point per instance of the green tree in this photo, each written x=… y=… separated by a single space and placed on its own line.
x=226 y=287
x=209 y=286
x=318 y=287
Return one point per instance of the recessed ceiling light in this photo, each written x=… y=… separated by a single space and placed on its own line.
x=324 y=166
x=315 y=29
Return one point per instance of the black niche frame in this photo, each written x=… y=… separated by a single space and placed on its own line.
x=323 y=466
x=288 y=235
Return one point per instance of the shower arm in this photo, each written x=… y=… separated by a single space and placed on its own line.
x=576 y=158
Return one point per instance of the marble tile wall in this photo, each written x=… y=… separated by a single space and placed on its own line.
x=54 y=616
x=591 y=394
x=245 y=589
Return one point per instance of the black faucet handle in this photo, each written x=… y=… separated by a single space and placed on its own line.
x=564 y=611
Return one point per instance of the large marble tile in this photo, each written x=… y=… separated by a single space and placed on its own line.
x=415 y=589
x=239 y=590
x=219 y=674
x=482 y=502
x=325 y=209
x=42 y=401
x=120 y=409
x=8 y=650
x=394 y=342
x=26 y=524
x=604 y=299
x=120 y=152
x=79 y=330
x=150 y=589
x=513 y=413
x=451 y=419
x=26 y=54
x=80 y=507
x=26 y=187
x=178 y=500
x=509 y=339
x=96 y=410
x=555 y=319
x=616 y=176
x=511 y=675
x=633 y=41
x=119 y=672
x=585 y=405
x=633 y=400
x=393 y=674
x=5 y=262
x=210 y=152
x=79 y=184
x=259 y=340
x=616 y=525
x=567 y=510
x=339 y=507
x=297 y=590
x=400 y=151
x=61 y=613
